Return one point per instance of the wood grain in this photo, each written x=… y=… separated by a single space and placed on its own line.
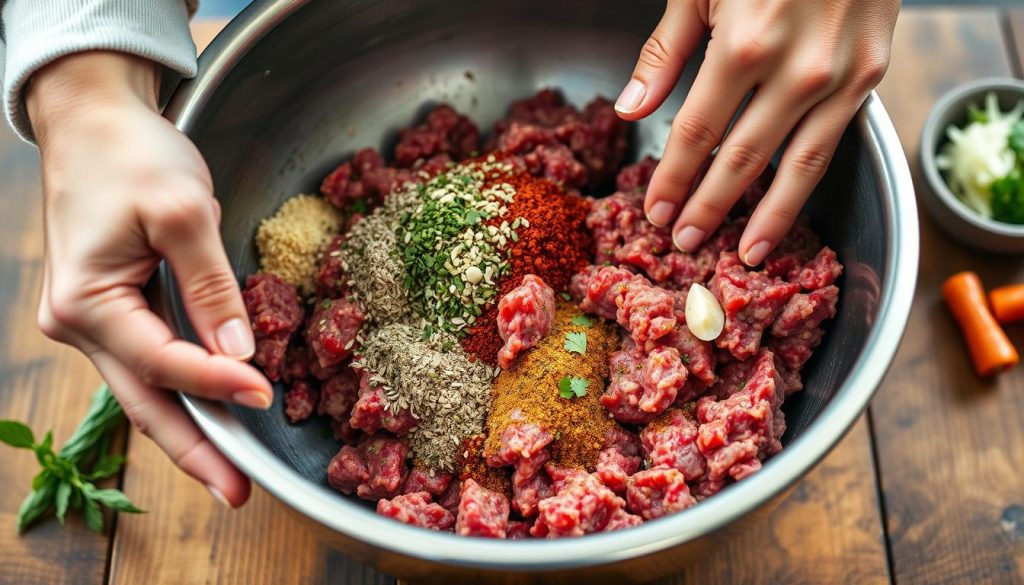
x=949 y=444
x=41 y=383
x=829 y=530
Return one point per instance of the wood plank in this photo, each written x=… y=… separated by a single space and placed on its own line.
x=187 y=537
x=41 y=383
x=829 y=530
x=948 y=443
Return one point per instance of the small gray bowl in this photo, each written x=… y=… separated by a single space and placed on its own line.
x=952 y=214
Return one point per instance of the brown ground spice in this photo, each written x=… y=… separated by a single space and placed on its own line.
x=530 y=387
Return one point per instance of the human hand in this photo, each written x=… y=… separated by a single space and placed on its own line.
x=809 y=64
x=123 y=188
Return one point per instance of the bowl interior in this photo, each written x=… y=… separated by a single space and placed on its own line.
x=339 y=76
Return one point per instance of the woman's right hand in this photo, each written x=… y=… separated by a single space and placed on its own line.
x=124 y=189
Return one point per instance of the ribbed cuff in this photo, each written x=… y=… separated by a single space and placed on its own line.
x=40 y=31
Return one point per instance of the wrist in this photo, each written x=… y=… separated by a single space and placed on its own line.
x=77 y=88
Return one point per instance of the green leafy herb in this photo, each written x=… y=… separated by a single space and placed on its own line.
x=565 y=296
x=576 y=342
x=976 y=114
x=472 y=216
x=64 y=480
x=1008 y=198
x=582 y=321
x=572 y=387
x=359 y=206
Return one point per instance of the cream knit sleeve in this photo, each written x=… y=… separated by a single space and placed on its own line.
x=36 y=32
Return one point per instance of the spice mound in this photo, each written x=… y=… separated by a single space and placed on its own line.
x=291 y=241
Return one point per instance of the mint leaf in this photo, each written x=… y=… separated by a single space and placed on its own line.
x=576 y=342
x=579 y=387
x=582 y=321
x=104 y=414
x=37 y=502
x=16 y=434
x=63 y=495
x=115 y=500
x=107 y=466
x=93 y=516
x=565 y=388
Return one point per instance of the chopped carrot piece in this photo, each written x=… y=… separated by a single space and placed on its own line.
x=1008 y=303
x=991 y=351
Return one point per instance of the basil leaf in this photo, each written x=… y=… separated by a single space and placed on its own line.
x=104 y=414
x=63 y=495
x=115 y=499
x=37 y=502
x=40 y=479
x=107 y=466
x=93 y=516
x=16 y=434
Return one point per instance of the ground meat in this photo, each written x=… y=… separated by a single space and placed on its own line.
x=527 y=494
x=445 y=131
x=296 y=363
x=275 y=314
x=330 y=281
x=371 y=412
x=385 y=463
x=738 y=431
x=423 y=480
x=525 y=447
x=348 y=470
x=646 y=311
x=300 y=401
x=417 y=509
x=482 y=512
x=525 y=316
x=671 y=441
x=635 y=177
x=617 y=462
x=561 y=477
x=643 y=384
x=622 y=519
x=338 y=394
x=583 y=506
x=806 y=311
x=604 y=289
x=696 y=355
x=451 y=497
x=751 y=301
x=556 y=163
x=364 y=177
x=818 y=272
x=518 y=530
x=332 y=331
x=657 y=492
x=343 y=431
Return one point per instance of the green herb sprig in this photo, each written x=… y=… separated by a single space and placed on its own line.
x=576 y=342
x=573 y=387
x=63 y=482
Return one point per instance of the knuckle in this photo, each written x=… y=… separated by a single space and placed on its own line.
x=63 y=308
x=750 y=52
x=744 y=160
x=211 y=288
x=182 y=213
x=816 y=80
x=149 y=372
x=138 y=414
x=871 y=70
x=811 y=161
x=695 y=133
x=781 y=215
x=711 y=207
x=48 y=324
x=655 y=53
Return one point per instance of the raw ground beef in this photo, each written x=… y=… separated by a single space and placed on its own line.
x=525 y=316
x=275 y=314
x=697 y=415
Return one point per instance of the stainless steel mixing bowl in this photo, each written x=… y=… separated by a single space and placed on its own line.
x=292 y=87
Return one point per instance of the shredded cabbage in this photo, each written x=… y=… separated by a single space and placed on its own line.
x=979 y=154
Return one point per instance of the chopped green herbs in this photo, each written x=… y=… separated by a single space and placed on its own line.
x=576 y=342
x=572 y=387
x=565 y=296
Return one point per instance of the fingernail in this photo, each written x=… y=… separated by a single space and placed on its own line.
x=235 y=339
x=631 y=97
x=217 y=495
x=688 y=238
x=252 y=399
x=755 y=255
x=661 y=213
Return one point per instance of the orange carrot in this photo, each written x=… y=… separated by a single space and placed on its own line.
x=1008 y=302
x=990 y=349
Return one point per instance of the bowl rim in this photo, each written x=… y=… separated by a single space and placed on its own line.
x=933 y=137
x=357 y=522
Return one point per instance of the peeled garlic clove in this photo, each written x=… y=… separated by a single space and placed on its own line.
x=704 y=316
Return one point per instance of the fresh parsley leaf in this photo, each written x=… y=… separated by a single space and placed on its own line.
x=579 y=386
x=582 y=320
x=576 y=342
x=16 y=434
x=565 y=296
x=572 y=387
x=63 y=496
x=565 y=388
x=1008 y=198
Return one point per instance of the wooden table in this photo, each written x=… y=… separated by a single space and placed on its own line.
x=928 y=487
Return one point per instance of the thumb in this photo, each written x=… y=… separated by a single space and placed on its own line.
x=661 y=60
x=186 y=233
